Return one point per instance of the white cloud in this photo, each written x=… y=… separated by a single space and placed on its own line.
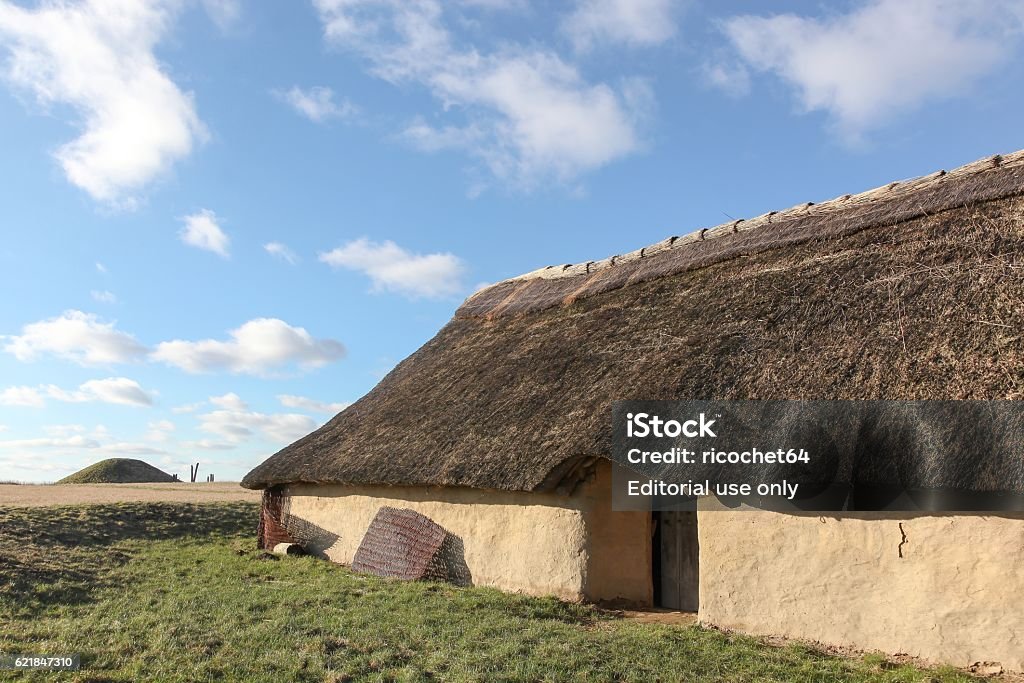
x=187 y=408
x=97 y=56
x=310 y=405
x=239 y=425
x=258 y=347
x=77 y=336
x=234 y=423
x=128 y=448
x=230 y=401
x=224 y=13
x=66 y=430
x=71 y=439
x=528 y=116
x=3 y=428
x=28 y=397
x=98 y=433
x=392 y=268
x=429 y=138
x=885 y=57
x=116 y=390
x=210 y=445
x=203 y=232
x=496 y=4
x=104 y=297
x=624 y=22
x=101 y=268
x=318 y=104
x=77 y=441
x=281 y=251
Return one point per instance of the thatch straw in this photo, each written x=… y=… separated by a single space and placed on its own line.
x=895 y=203
x=911 y=292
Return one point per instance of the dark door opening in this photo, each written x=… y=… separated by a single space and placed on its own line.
x=676 y=560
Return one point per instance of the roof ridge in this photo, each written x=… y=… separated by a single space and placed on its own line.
x=844 y=202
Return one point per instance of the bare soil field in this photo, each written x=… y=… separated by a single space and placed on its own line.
x=33 y=495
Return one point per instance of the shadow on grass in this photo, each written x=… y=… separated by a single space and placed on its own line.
x=100 y=525
x=51 y=556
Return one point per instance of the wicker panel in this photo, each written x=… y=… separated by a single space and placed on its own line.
x=403 y=544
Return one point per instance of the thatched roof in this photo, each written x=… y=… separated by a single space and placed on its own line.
x=911 y=291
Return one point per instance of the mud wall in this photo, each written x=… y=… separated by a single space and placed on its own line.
x=947 y=588
x=573 y=547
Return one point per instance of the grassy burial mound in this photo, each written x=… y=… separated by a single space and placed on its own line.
x=118 y=471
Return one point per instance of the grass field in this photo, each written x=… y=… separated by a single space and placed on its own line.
x=179 y=592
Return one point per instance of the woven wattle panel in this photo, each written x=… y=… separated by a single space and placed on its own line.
x=400 y=543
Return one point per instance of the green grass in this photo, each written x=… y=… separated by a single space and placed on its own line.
x=174 y=592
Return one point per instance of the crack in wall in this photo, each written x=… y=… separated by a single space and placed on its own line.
x=903 y=540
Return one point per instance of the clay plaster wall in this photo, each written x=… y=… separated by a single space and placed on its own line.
x=573 y=547
x=947 y=588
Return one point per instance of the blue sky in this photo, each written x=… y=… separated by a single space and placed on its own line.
x=223 y=220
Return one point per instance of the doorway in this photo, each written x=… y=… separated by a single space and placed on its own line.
x=676 y=560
